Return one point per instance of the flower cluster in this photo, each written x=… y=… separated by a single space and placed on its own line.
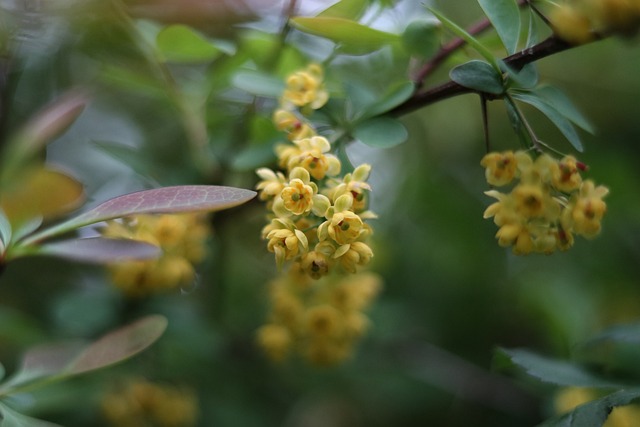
x=568 y=398
x=547 y=205
x=144 y=403
x=322 y=320
x=182 y=239
x=579 y=22
x=317 y=221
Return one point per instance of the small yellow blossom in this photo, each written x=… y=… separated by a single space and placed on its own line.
x=276 y=340
x=565 y=175
x=500 y=167
x=315 y=264
x=312 y=156
x=588 y=209
x=571 y=24
x=182 y=240
x=272 y=183
x=144 y=403
x=296 y=128
x=305 y=88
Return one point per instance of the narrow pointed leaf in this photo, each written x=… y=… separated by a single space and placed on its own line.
x=464 y=35
x=353 y=37
x=45 y=126
x=558 y=100
x=556 y=117
x=5 y=231
x=186 y=198
x=596 y=412
x=43 y=361
x=478 y=75
x=11 y=418
x=100 y=250
x=552 y=371
x=119 y=345
x=348 y=9
x=505 y=18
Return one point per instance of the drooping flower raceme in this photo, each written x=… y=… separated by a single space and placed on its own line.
x=548 y=202
x=318 y=233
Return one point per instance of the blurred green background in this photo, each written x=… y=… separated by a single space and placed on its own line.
x=451 y=294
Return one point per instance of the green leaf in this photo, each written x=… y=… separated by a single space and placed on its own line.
x=505 y=18
x=5 y=231
x=558 y=100
x=395 y=95
x=552 y=371
x=615 y=349
x=594 y=413
x=11 y=418
x=556 y=117
x=464 y=35
x=100 y=250
x=526 y=78
x=259 y=84
x=381 y=132
x=185 y=198
x=348 y=9
x=422 y=38
x=354 y=38
x=478 y=75
x=180 y=43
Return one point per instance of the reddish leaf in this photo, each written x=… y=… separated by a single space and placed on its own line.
x=119 y=345
x=100 y=250
x=185 y=198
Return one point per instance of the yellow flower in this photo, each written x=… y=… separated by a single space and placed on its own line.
x=323 y=320
x=345 y=227
x=311 y=155
x=181 y=237
x=355 y=184
x=353 y=254
x=588 y=210
x=275 y=340
x=500 y=167
x=571 y=24
x=305 y=88
x=271 y=185
x=288 y=121
x=315 y=264
x=565 y=175
x=297 y=197
x=285 y=240
x=142 y=403
x=536 y=171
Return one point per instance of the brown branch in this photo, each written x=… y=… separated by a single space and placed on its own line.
x=449 y=48
x=450 y=89
x=446 y=51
